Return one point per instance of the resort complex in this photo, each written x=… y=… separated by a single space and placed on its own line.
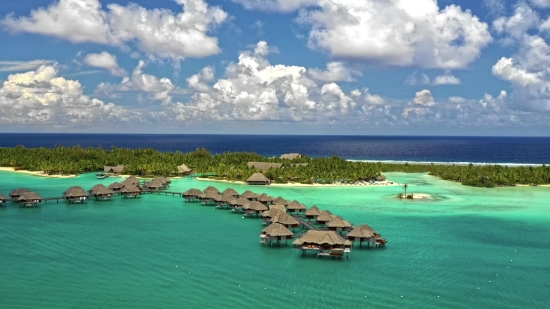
x=308 y=229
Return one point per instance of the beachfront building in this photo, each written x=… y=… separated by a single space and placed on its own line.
x=184 y=170
x=75 y=194
x=324 y=243
x=29 y=199
x=192 y=195
x=324 y=217
x=364 y=233
x=101 y=193
x=130 y=191
x=295 y=208
x=312 y=212
x=117 y=169
x=15 y=194
x=290 y=156
x=285 y=219
x=340 y=225
x=275 y=232
x=254 y=208
x=251 y=196
x=258 y=179
x=2 y=199
x=116 y=187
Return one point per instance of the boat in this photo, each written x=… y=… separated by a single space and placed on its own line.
x=101 y=175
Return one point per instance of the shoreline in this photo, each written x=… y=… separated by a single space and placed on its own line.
x=36 y=173
x=385 y=183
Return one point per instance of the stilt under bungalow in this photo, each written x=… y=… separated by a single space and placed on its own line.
x=75 y=194
x=323 y=243
x=29 y=199
x=275 y=232
x=192 y=195
x=15 y=194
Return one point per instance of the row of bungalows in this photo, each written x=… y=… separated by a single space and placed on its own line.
x=25 y=197
x=323 y=243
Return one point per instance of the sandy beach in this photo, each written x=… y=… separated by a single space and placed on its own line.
x=295 y=184
x=35 y=173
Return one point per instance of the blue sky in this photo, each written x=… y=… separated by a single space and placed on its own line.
x=403 y=67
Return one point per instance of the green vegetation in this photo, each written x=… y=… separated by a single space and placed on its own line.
x=233 y=166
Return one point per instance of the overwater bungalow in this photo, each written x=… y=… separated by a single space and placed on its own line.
x=154 y=185
x=130 y=181
x=209 y=198
x=75 y=194
x=184 y=170
x=364 y=233
x=211 y=189
x=324 y=217
x=2 y=199
x=265 y=199
x=275 y=232
x=113 y=169
x=165 y=180
x=324 y=243
x=340 y=225
x=192 y=195
x=15 y=194
x=130 y=191
x=116 y=187
x=230 y=191
x=285 y=219
x=296 y=207
x=250 y=195
x=254 y=208
x=238 y=203
x=280 y=201
x=312 y=212
x=100 y=192
x=223 y=200
x=258 y=179
x=273 y=211
x=29 y=199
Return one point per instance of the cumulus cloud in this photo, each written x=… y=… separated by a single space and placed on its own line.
x=16 y=66
x=393 y=32
x=42 y=97
x=105 y=61
x=517 y=25
x=157 y=32
x=254 y=89
x=423 y=79
x=543 y=4
x=334 y=72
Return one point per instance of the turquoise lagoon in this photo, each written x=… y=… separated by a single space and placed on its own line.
x=466 y=248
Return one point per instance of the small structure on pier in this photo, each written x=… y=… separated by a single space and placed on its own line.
x=254 y=208
x=230 y=191
x=29 y=199
x=211 y=189
x=265 y=199
x=184 y=170
x=75 y=194
x=251 y=196
x=117 y=169
x=100 y=192
x=338 y=224
x=312 y=213
x=2 y=199
x=285 y=219
x=325 y=243
x=15 y=194
x=258 y=179
x=295 y=207
x=130 y=191
x=192 y=195
x=365 y=233
x=324 y=217
x=116 y=187
x=275 y=232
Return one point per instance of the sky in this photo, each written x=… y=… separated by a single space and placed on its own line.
x=362 y=67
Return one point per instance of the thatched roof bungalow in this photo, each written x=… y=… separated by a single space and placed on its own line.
x=100 y=192
x=324 y=217
x=130 y=191
x=192 y=195
x=338 y=224
x=312 y=212
x=254 y=208
x=325 y=243
x=230 y=191
x=2 y=199
x=15 y=194
x=211 y=189
x=258 y=179
x=113 y=169
x=130 y=181
x=209 y=198
x=184 y=169
x=280 y=201
x=28 y=199
x=275 y=231
x=286 y=220
x=116 y=187
x=295 y=207
x=249 y=195
x=273 y=211
x=265 y=199
x=362 y=233
x=154 y=185
x=75 y=194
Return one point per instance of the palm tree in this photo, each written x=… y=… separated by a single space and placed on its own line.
x=405 y=186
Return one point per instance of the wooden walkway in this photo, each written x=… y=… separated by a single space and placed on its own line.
x=308 y=225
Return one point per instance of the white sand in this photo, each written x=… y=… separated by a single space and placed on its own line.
x=295 y=184
x=35 y=173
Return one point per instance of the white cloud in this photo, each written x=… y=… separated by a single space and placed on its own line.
x=495 y=7
x=544 y=4
x=334 y=72
x=156 y=32
x=15 y=66
x=507 y=70
x=392 y=32
x=446 y=79
x=516 y=26
x=457 y=99
x=105 y=61
x=423 y=98
x=42 y=97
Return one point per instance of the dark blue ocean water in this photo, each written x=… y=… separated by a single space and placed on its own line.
x=514 y=150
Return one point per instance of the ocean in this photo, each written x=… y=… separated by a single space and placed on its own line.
x=466 y=248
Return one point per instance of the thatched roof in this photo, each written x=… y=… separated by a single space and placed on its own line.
x=295 y=205
x=348 y=242
x=276 y=230
x=257 y=206
x=116 y=186
x=321 y=237
x=113 y=169
x=192 y=192
x=154 y=184
x=280 y=201
x=325 y=216
x=257 y=177
x=264 y=198
x=230 y=192
x=210 y=195
x=290 y=156
x=284 y=219
x=380 y=178
x=19 y=192
x=241 y=201
x=363 y=231
x=313 y=211
x=130 y=189
x=2 y=197
x=279 y=207
x=100 y=189
x=273 y=211
x=164 y=179
x=211 y=189
x=29 y=196
x=249 y=195
x=75 y=191
x=183 y=169
x=224 y=198
x=339 y=222
x=264 y=166
x=130 y=181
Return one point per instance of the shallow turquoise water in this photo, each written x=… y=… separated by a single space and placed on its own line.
x=474 y=248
